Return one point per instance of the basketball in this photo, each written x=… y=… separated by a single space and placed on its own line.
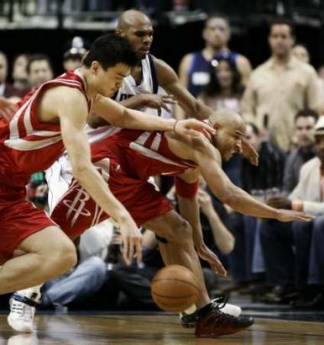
x=174 y=288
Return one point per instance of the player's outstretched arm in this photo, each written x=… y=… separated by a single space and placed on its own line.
x=209 y=161
x=120 y=116
x=139 y=101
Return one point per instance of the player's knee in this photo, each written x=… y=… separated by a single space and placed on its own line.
x=185 y=231
x=179 y=231
x=69 y=254
x=64 y=257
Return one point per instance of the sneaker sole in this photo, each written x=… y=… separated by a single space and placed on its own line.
x=24 y=329
x=214 y=335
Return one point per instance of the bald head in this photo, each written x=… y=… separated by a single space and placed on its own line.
x=230 y=132
x=132 y=18
x=225 y=118
x=137 y=28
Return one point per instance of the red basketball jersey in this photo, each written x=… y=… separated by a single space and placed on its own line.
x=28 y=145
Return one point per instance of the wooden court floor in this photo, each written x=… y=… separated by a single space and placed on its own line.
x=153 y=329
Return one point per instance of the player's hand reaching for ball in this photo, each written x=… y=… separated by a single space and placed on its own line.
x=206 y=254
x=291 y=216
x=132 y=241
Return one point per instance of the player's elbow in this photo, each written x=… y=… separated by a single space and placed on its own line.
x=225 y=196
x=80 y=170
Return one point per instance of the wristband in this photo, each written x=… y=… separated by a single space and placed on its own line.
x=185 y=189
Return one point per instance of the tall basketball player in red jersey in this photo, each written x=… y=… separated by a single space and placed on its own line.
x=49 y=120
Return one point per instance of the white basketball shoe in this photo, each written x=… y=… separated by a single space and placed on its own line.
x=22 y=311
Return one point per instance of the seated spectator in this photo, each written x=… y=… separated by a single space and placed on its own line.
x=305 y=121
x=294 y=244
x=79 y=283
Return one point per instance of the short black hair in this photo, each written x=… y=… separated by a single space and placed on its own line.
x=283 y=21
x=109 y=50
x=306 y=113
x=39 y=57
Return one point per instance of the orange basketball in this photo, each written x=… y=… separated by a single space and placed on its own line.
x=174 y=288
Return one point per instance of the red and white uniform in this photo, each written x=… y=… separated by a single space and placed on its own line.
x=27 y=146
x=126 y=160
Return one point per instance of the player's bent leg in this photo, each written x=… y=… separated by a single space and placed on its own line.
x=43 y=255
x=177 y=247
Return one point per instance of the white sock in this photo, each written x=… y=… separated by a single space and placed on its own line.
x=191 y=309
x=30 y=292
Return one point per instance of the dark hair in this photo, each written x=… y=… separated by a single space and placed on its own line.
x=283 y=21
x=255 y=129
x=39 y=57
x=213 y=88
x=306 y=113
x=109 y=50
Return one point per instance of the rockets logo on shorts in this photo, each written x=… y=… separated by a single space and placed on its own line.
x=77 y=206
